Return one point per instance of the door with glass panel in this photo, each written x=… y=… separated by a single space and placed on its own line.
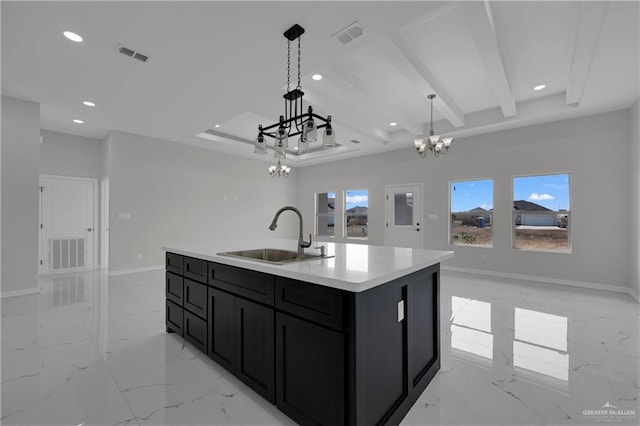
x=403 y=225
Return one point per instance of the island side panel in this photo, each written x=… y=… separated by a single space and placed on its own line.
x=397 y=350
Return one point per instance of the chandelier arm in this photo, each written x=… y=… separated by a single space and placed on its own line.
x=290 y=119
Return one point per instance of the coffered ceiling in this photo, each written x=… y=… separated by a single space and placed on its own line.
x=224 y=63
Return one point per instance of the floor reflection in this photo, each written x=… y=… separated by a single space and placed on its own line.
x=535 y=341
x=471 y=328
x=540 y=343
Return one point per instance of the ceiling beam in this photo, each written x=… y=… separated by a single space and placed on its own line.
x=414 y=70
x=592 y=15
x=481 y=23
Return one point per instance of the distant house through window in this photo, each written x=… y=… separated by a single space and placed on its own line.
x=356 y=218
x=471 y=213
x=325 y=214
x=541 y=212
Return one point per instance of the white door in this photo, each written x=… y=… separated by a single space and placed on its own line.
x=104 y=224
x=404 y=216
x=67 y=224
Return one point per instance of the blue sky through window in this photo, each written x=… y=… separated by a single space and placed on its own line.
x=469 y=194
x=358 y=198
x=550 y=191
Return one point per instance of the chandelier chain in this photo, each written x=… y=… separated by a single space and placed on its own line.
x=299 y=62
x=288 y=66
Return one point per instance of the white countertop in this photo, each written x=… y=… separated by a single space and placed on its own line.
x=354 y=267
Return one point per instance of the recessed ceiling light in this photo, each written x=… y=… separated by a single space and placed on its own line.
x=88 y=103
x=78 y=121
x=316 y=77
x=216 y=126
x=539 y=87
x=393 y=123
x=72 y=36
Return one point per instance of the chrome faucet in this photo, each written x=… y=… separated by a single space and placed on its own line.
x=302 y=244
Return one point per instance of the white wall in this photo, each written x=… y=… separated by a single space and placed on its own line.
x=69 y=155
x=635 y=197
x=20 y=199
x=593 y=149
x=181 y=194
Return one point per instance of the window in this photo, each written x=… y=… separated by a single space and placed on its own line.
x=541 y=212
x=356 y=213
x=325 y=216
x=471 y=220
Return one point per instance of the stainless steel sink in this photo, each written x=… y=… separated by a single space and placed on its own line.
x=270 y=255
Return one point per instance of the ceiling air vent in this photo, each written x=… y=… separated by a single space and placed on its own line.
x=350 y=33
x=132 y=53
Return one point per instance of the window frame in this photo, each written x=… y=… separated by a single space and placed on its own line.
x=344 y=215
x=318 y=214
x=568 y=213
x=492 y=213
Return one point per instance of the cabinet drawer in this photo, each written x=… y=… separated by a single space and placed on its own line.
x=252 y=285
x=174 y=288
x=196 y=269
x=195 y=331
x=174 y=318
x=316 y=303
x=174 y=263
x=195 y=298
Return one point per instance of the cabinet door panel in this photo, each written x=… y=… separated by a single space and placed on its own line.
x=196 y=269
x=195 y=331
x=174 y=318
x=384 y=341
x=424 y=330
x=255 y=347
x=222 y=328
x=310 y=301
x=174 y=288
x=195 y=298
x=249 y=284
x=310 y=363
x=174 y=263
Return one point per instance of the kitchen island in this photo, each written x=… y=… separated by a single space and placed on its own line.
x=348 y=339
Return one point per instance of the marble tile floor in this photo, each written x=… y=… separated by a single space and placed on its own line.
x=92 y=350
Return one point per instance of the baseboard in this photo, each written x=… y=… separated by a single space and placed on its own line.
x=135 y=270
x=16 y=293
x=547 y=280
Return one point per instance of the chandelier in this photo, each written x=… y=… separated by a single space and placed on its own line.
x=295 y=121
x=279 y=170
x=434 y=143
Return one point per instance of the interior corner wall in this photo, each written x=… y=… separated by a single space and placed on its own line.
x=600 y=188
x=70 y=155
x=163 y=193
x=20 y=199
x=635 y=197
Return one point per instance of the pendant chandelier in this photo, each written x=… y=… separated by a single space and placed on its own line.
x=295 y=121
x=434 y=143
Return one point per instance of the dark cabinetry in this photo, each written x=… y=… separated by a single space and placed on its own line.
x=324 y=356
x=187 y=299
x=311 y=371
x=241 y=339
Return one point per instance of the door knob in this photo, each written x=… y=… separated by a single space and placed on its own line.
x=89 y=229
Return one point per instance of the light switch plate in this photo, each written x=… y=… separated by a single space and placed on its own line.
x=400 y=310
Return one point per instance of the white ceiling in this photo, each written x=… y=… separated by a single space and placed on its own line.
x=225 y=63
